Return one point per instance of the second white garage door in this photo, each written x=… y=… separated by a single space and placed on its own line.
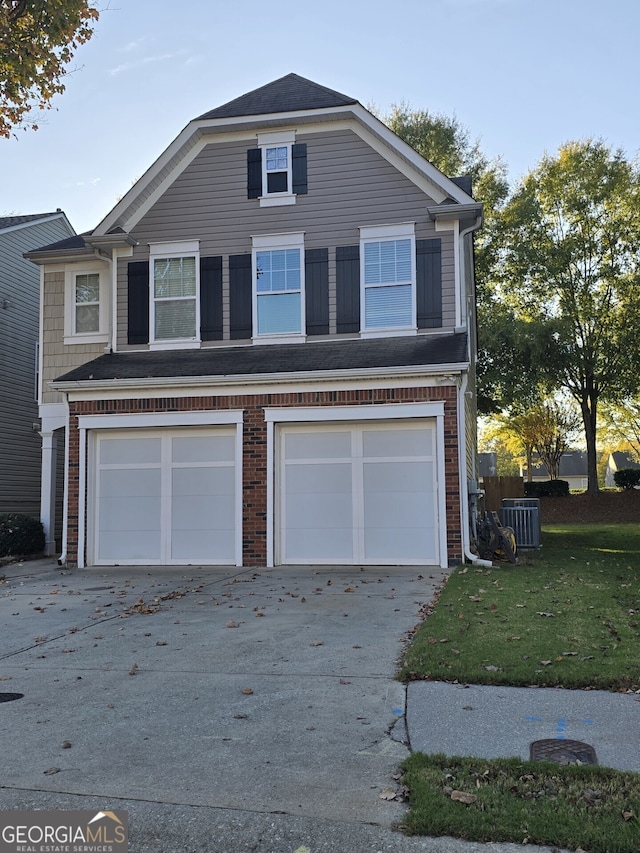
x=164 y=497
x=358 y=493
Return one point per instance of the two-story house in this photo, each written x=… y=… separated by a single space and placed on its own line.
x=264 y=354
x=19 y=320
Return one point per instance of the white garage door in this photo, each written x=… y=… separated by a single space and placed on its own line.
x=354 y=493
x=164 y=497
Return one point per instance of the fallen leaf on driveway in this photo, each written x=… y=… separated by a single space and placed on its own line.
x=134 y=669
x=232 y=624
x=388 y=794
x=51 y=771
x=247 y=691
x=344 y=681
x=316 y=643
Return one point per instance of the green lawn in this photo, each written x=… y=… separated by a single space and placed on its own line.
x=567 y=615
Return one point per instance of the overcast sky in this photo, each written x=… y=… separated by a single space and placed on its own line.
x=523 y=76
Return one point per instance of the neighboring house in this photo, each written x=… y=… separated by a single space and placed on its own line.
x=487 y=464
x=618 y=460
x=264 y=354
x=573 y=469
x=19 y=314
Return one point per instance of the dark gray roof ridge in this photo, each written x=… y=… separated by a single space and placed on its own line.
x=290 y=93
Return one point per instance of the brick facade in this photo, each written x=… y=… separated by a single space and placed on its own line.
x=254 y=501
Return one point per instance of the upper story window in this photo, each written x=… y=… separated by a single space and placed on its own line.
x=277 y=169
x=388 y=278
x=278 y=276
x=86 y=304
x=174 y=303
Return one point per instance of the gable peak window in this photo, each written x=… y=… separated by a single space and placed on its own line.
x=277 y=169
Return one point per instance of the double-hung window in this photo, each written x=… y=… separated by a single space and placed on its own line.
x=174 y=308
x=86 y=304
x=278 y=276
x=388 y=278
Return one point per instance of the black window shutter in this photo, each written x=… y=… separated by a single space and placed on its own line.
x=254 y=172
x=348 y=288
x=299 y=168
x=138 y=302
x=211 y=299
x=429 y=283
x=240 y=296
x=316 y=283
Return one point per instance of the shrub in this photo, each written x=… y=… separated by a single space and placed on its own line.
x=20 y=535
x=627 y=478
x=547 y=489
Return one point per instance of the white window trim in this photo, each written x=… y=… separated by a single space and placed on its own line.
x=272 y=242
x=70 y=334
x=274 y=140
x=187 y=248
x=376 y=234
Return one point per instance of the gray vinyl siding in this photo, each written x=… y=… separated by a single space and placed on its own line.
x=59 y=358
x=20 y=444
x=349 y=185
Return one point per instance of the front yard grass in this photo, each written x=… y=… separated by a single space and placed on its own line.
x=566 y=616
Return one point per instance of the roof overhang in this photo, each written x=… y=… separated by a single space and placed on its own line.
x=409 y=372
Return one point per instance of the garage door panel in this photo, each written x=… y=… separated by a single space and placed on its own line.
x=396 y=442
x=336 y=445
x=122 y=546
x=215 y=512
x=383 y=544
x=129 y=451
x=203 y=481
x=186 y=546
x=331 y=478
x=396 y=510
x=325 y=511
x=130 y=513
x=203 y=449
x=312 y=544
x=399 y=477
x=129 y=483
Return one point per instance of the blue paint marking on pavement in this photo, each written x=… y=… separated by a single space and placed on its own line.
x=531 y=719
x=398 y=711
x=588 y=722
x=561 y=728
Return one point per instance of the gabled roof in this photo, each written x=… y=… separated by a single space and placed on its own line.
x=412 y=351
x=24 y=219
x=288 y=94
x=290 y=101
x=622 y=459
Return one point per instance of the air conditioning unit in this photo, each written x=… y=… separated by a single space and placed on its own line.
x=523 y=516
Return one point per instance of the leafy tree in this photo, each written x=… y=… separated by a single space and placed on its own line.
x=621 y=426
x=571 y=238
x=545 y=428
x=38 y=39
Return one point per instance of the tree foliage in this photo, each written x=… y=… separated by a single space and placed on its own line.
x=38 y=39
x=621 y=426
x=571 y=264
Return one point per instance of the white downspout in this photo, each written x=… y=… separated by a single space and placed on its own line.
x=462 y=467
x=62 y=560
x=462 y=435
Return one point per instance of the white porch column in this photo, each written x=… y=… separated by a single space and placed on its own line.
x=48 y=490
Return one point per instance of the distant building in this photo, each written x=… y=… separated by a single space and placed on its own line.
x=618 y=460
x=573 y=469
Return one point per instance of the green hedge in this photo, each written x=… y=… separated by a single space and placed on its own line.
x=20 y=535
x=547 y=489
x=627 y=478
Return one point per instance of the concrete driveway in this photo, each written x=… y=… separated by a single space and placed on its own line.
x=225 y=709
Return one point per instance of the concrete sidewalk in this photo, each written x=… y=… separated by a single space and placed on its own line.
x=225 y=709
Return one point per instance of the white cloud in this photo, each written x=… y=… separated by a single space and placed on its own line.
x=146 y=60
